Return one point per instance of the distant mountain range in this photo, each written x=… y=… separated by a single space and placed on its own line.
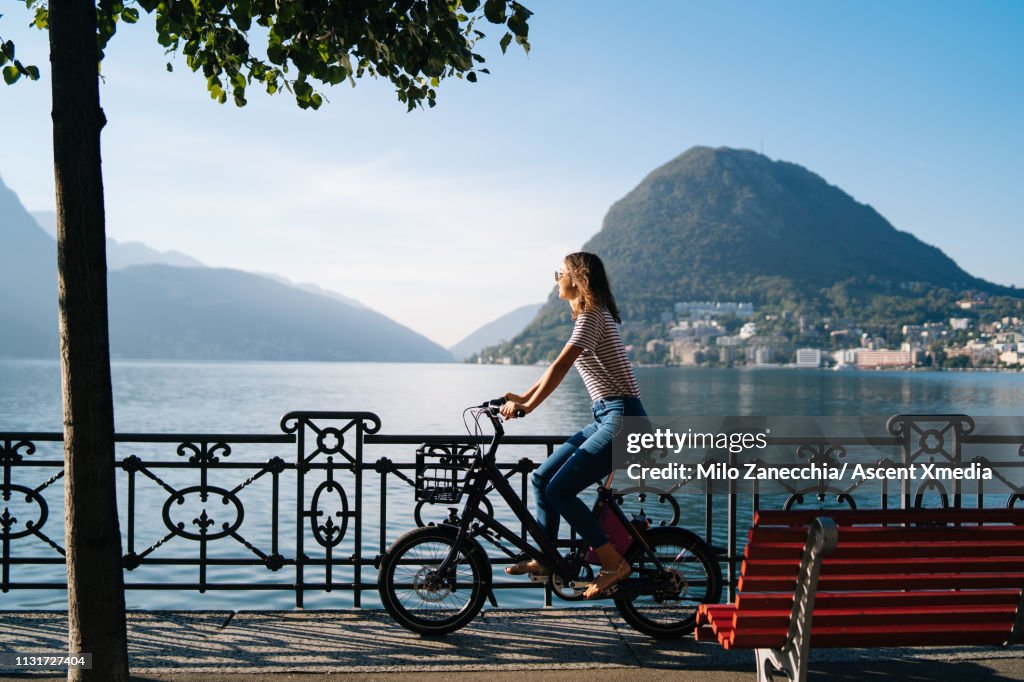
x=733 y=225
x=166 y=305
x=123 y=254
x=498 y=331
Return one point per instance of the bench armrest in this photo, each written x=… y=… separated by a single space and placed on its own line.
x=821 y=539
x=791 y=660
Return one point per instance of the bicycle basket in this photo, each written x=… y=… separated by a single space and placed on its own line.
x=441 y=471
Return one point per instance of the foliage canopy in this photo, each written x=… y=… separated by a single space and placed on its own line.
x=415 y=44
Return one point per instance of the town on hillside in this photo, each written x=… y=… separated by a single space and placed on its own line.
x=731 y=333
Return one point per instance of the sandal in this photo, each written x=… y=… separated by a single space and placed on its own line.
x=524 y=567
x=605 y=580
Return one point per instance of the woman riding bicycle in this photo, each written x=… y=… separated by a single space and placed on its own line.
x=596 y=349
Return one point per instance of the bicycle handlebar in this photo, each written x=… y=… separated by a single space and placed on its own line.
x=494 y=405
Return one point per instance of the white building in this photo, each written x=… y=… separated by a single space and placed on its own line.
x=847 y=356
x=714 y=308
x=877 y=359
x=808 y=357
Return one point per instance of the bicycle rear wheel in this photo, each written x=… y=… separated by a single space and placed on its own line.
x=420 y=599
x=693 y=577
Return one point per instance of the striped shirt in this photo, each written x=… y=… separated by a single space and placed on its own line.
x=603 y=364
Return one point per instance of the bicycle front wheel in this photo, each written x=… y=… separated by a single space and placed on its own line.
x=417 y=596
x=691 y=577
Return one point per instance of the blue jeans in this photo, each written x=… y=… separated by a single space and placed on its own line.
x=582 y=460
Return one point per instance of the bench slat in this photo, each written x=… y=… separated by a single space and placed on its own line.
x=902 y=550
x=875 y=636
x=892 y=534
x=844 y=517
x=922 y=565
x=869 y=581
x=892 y=617
x=755 y=601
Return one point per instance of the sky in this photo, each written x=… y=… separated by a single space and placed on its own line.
x=446 y=218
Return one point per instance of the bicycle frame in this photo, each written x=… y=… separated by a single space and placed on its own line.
x=485 y=472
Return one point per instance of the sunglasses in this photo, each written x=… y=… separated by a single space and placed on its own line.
x=560 y=274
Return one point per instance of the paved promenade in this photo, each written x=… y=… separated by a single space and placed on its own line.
x=500 y=645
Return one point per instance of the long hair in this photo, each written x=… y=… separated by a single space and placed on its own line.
x=587 y=272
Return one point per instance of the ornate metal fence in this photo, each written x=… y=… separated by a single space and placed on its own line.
x=312 y=508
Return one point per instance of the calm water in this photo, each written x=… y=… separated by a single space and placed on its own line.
x=176 y=397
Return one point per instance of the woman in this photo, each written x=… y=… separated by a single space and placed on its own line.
x=596 y=349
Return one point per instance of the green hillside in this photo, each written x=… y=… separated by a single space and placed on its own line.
x=733 y=225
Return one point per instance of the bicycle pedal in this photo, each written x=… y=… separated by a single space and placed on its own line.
x=539 y=577
x=606 y=594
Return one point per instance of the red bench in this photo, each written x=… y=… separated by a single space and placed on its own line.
x=872 y=578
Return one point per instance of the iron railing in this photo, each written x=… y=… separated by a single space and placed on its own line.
x=312 y=508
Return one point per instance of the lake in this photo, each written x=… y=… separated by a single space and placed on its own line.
x=251 y=397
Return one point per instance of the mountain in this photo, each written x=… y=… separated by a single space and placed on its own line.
x=28 y=283
x=161 y=311
x=167 y=311
x=123 y=254
x=315 y=289
x=733 y=225
x=498 y=331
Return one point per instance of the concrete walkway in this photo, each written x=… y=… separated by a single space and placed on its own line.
x=570 y=644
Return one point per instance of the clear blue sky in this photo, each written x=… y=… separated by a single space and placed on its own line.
x=444 y=219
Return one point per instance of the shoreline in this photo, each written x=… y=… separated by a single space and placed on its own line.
x=841 y=368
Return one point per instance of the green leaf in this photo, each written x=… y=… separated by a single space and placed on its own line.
x=275 y=53
x=505 y=40
x=336 y=74
x=471 y=77
x=8 y=50
x=42 y=20
x=130 y=15
x=11 y=74
x=32 y=72
x=494 y=10
x=520 y=9
x=3 y=59
x=170 y=69
x=470 y=5
x=241 y=12
x=303 y=91
x=517 y=23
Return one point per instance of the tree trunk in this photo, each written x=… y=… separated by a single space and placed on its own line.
x=96 y=612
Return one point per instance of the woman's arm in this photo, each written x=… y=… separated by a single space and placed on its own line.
x=547 y=383
x=516 y=398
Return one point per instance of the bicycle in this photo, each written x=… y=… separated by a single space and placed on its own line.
x=434 y=580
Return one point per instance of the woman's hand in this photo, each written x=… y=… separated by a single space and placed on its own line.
x=515 y=398
x=509 y=409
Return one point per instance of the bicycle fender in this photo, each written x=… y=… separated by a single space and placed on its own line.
x=472 y=547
